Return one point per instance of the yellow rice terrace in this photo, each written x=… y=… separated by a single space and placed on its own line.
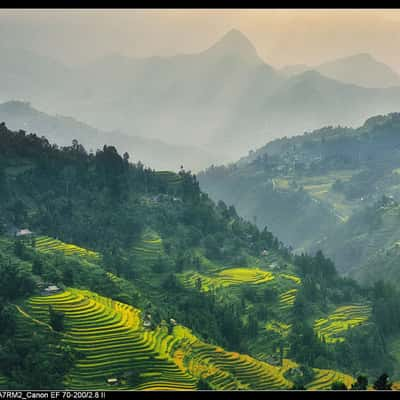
x=47 y=244
x=112 y=341
x=227 y=277
x=343 y=318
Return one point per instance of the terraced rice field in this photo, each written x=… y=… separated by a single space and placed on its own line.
x=228 y=277
x=342 y=319
x=286 y=299
x=149 y=248
x=292 y=278
x=396 y=385
x=227 y=370
x=108 y=336
x=3 y=382
x=110 y=341
x=47 y=244
x=170 y=177
x=278 y=327
x=324 y=378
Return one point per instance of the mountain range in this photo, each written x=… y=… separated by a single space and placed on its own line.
x=63 y=130
x=359 y=69
x=225 y=97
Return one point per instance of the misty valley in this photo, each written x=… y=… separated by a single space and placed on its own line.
x=202 y=221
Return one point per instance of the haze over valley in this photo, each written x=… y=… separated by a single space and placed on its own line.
x=221 y=101
x=199 y=200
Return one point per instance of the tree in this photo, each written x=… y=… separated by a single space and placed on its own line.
x=126 y=157
x=179 y=264
x=198 y=284
x=37 y=266
x=383 y=383
x=159 y=265
x=7 y=320
x=338 y=385
x=202 y=384
x=56 y=319
x=298 y=386
x=360 y=384
x=68 y=276
x=270 y=295
x=252 y=326
x=132 y=377
x=18 y=248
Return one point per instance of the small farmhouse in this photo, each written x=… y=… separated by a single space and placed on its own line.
x=23 y=233
x=51 y=289
x=112 y=381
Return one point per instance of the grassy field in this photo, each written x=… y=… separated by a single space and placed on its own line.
x=47 y=244
x=343 y=318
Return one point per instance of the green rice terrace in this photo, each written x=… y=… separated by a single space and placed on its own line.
x=287 y=299
x=109 y=338
x=3 y=382
x=227 y=277
x=111 y=343
x=107 y=334
x=324 y=378
x=279 y=327
x=46 y=244
x=331 y=328
x=217 y=277
x=149 y=248
x=320 y=188
x=229 y=370
x=170 y=177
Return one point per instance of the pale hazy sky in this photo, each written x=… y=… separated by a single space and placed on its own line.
x=280 y=36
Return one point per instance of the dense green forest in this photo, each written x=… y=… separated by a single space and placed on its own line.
x=145 y=257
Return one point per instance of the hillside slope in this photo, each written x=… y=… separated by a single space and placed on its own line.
x=307 y=189
x=137 y=255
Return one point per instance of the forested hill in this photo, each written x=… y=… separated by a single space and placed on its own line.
x=351 y=145
x=101 y=200
x=158 y=287
x=306 y=188
x=62 y=130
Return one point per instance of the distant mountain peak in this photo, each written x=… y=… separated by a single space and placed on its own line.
x=16 y=106
x=365 y=56
x=361 y=69
x=234 y=42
